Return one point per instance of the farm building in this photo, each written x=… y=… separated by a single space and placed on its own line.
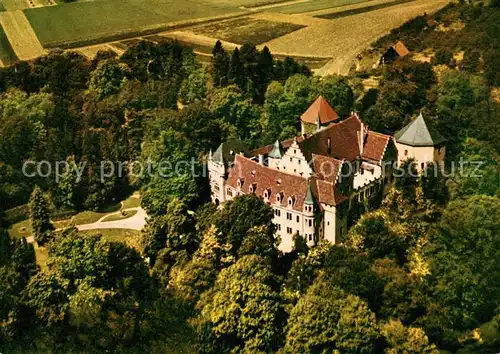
x=398 y=50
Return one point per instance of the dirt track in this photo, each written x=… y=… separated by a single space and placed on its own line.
x=21 y=36
x=343 y=38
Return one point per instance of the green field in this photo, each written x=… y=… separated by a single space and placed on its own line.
x=84 y=23
x=7 y=55
x=243 y=30
x=313 y=5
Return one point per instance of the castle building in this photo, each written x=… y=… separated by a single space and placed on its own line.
x=420 y=142
x=311 y=181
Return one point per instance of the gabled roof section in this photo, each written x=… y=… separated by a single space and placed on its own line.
x=285 y=144
x=343 y=139
x=320 y=109
x=417 y=133
x=265 y=178
x=326 y=168
x=375 y=146
x=401 y=49
x=228 y=150
x=277 y=152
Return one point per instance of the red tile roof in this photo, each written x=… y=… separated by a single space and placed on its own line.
x=326 y=168
x=320 y=109
x=375 y=145
x=328 y=194
x=285 y=144
x=262 y=177
x=343 y=138
x=401 y=49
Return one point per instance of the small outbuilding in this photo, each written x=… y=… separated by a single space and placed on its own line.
x=398 y=50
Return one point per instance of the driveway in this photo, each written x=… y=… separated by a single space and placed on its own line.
x=135 y=222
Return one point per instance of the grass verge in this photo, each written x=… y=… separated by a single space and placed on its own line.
x=120 y=216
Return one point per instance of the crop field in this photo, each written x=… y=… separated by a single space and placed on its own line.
x=86 y=23
x=7 y=55
x=243 y=30
x=20 y=35
x=341 y=40
x=360 y=10
x=313 y=5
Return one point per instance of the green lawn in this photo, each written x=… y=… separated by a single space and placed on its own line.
x=133 y=201
x=21 y=229
x=113 y=235
x=313 y=5
x=119 y=216
x=75 y=24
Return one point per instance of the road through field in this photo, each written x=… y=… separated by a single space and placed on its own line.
x=20 y=34
x=343 y=38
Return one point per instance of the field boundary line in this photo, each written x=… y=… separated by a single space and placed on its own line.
x=21 y=35
x=145 y=31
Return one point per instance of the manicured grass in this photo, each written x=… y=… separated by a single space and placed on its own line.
x=20 y=229
x=87 y=217
x=86 y=22
x=134 y=201
x=120 y=216
x=243 y=30
x=113 y=235
x=313 y=5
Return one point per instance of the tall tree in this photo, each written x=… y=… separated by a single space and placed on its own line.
x=220 y=65
x=40 y=216
x=243 y=311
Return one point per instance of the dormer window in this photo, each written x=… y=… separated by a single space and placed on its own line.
x=279 y=197
x=267 y=194
x=253 y=188
x=291 y=201
x=240 y=182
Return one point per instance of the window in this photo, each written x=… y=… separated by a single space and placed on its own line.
x=279 y=227
x=291 y=201
x=310 y=222
x=298 y=161
x=229 y=192
x=422 y=165
x=289 y=216
x=277 y=212
x=291 y=159
x=310 y=237
x=328 y=223
x=406 y=152
x=216 y=187
x=294 y=151
x=298 y=218
x=329 y=146
x=289 y=230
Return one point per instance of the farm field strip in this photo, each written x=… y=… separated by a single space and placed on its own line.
x=313 y=5
x=7 y=55
x=86 y=23
x=360 y=10
x=21 y=36
x=247 y=29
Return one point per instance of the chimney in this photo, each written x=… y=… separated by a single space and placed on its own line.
x=261 y=160
x=361 y=138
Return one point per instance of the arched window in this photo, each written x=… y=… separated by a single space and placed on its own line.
x=279 y=197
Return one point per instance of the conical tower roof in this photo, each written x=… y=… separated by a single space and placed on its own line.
x=321 y=110
x=277 y=151
x=418 y=133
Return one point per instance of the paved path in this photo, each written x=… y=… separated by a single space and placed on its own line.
x=135 y=222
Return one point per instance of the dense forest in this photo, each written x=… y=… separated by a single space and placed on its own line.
x=419 y=274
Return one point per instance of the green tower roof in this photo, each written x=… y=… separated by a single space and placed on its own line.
x=309 y=200
x=277 y=151
x=228 y=150
x=417 y=133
